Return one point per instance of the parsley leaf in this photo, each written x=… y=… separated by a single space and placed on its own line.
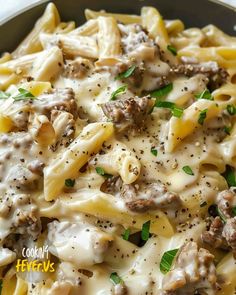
x=188 y=170
x=69 y=182
x=204 y=95
x=229 y=176
x=4 y=95
x=167 y=260
x=202 y=116
x=145 y=230
x=126 y=234
x=23 y=95
x=101 y=172
x=115 y=278
x=234 y=211
x=162 y=91
x=154 y=152
x=121 y=90
x=231 y=109
x=172 y=49
x=220 y=214
x=127 y=73
x=227 y=129
x=176 y=111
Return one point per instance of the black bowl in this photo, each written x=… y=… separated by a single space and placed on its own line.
x=193 y=13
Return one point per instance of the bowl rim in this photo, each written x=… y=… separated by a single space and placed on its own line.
x=32 y=5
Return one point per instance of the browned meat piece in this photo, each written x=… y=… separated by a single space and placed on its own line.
x=112 y=185
x=77 y=69
x=193 y=270
x=217 y=76
x=149 y=197
x=60 y=99
x=128 y=113
x=229 y=233
x=213 y=236
x=222 y=234
x=225 y=202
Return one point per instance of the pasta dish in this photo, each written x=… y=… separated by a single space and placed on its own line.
x=117 y=158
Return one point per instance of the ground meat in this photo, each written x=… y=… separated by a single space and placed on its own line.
x=222 y=233
x=214 y=235
x=62 y=99
x=128 y=113
x=229 y=233
x=216 y=75
x=142 y=197
x=225 y=202
x=36 y=167
x=192 y=271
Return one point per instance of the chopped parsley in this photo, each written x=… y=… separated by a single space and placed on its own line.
x=162 y=91
x=227 y=129
x=145 y=231
x=220 y=214
x=188 y=170
x=127 y=73
x=167 y=260
x=115 y=278
x=121 y=90
x=101 y=172
x=204 y=95
x=202 y=116
x=229 y=176
x=126 y=234
x=154 y=152
x=176 y=111
x=231 y=109
x=23 y=95
x=69 y=182
x=234 y=211
x=4 y=95
x=172 y=49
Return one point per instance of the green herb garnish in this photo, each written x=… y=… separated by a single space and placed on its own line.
x=220 y=214
x=234 y=211
x=202 y=116
x=154 y=152
x=167 y=260
x=115 y=278
x=1 y=287
x=121 y=90
x=101 y=172
x=4 y=95
x=127 y=73
x=204 y=95
x=172 y=49
x=23 y=95
x=229 y=176
x=231 y=109
x=126 y=234
x=176 y=111
x=162 y=91
x=69 y=182
x=227 y=129
x=188 y=170
x=145 y=230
